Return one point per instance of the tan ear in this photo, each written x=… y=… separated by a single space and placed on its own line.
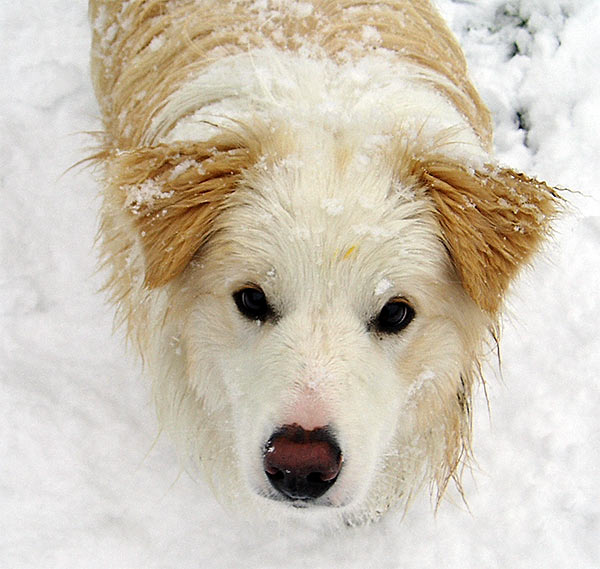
x=492 y=220
x=173 y=193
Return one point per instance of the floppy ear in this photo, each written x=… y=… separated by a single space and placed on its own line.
x=173 y=194
x=492 y=220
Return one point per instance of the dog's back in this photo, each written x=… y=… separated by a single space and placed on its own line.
x=130 y=39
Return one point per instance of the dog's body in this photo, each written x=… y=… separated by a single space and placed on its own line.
x=308 y=237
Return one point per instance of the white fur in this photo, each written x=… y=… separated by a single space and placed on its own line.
x=329 y=247
x=374 y=96
x=336 y=156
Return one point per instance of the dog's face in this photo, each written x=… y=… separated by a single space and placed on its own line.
x=310 y=240
x=325 y=326
x=314 y=308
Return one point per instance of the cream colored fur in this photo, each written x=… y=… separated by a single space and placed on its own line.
x=334 y=154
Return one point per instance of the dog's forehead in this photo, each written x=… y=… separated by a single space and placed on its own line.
x=306 y=216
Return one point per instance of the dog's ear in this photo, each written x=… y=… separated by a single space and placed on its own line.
x=492 y=220
x=172 y=194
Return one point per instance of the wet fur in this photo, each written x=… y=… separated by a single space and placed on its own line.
x=319 y=218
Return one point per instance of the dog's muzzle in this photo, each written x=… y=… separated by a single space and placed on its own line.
x=302 y=465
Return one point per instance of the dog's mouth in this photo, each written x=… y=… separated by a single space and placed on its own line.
x=302 y=466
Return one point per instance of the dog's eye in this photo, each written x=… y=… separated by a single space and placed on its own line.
x=252 y=303
x=396 y=315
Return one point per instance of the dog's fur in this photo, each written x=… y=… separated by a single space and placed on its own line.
x=335 y=154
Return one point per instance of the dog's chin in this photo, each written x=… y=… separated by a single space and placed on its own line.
x=325 y=511
x=300 y=506
x=345 y=498
x=327 y=502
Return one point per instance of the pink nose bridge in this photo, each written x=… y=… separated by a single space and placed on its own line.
x=308 y=410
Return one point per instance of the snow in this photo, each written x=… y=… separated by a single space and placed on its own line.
x=383 y=286
x=332 y=206
x=145 y=194
x=85 y=481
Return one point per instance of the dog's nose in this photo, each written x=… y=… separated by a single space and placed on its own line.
x=300 y=464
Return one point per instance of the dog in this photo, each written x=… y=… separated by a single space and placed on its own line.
x=308 y=238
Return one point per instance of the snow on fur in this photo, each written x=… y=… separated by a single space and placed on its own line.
x=84 y=485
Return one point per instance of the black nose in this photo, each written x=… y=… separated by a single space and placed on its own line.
x=300 y=464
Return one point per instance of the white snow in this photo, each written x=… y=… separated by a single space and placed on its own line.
x=83 y=481
x=184 y=167
x=383 y=286
x=145 y=194
x=332 y=206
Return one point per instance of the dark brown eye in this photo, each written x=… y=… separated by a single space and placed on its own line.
x=396 y=315
x=252 y=303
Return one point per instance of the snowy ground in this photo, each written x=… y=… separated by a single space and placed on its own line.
x=82 y=482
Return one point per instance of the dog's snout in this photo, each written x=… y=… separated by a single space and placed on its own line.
x=300 y=464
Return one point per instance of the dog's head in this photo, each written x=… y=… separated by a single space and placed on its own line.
x=323 y=307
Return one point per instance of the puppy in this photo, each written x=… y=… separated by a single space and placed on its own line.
x=308 y=238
